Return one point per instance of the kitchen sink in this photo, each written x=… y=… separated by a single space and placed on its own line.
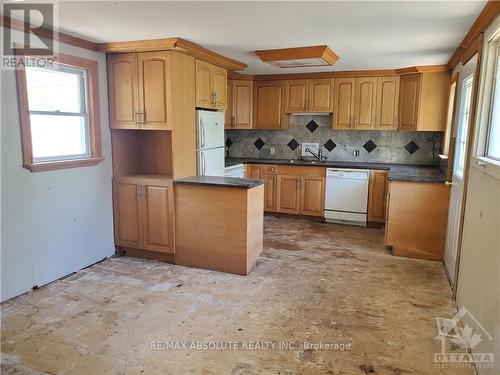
x=292 y=161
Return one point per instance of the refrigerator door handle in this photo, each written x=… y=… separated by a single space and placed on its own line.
x=203 y=164
x=202 y=127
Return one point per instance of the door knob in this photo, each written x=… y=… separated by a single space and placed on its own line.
x=448 y=183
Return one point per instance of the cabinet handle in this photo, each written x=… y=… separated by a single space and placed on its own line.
x=137 y=119
x=215 y=97
x=138 y=190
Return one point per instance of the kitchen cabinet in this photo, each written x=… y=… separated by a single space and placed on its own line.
x=211 y=86
x=138 y=89
x=343 y=103
x=313 y=196
x=242 y=104
x=377 y=193
x=386 y=110
x=423 y=101
x=253 y=171
x=365 y=92
x=228 y=115
x=143 y=213
x=268 y=109
x=269 y=192
x=288 y=194
x=308 y=95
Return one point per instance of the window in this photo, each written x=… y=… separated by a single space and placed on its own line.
x=463 y=127
x=59 y=111
x=493 y=140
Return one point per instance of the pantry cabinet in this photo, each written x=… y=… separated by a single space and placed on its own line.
x=138 y=90
x=308 y=95
x=268 y=110
x=144 y=213
x=211 y=86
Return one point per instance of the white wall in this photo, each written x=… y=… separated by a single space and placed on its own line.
x=55 y=222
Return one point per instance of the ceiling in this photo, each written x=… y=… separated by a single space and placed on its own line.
x=366 y=35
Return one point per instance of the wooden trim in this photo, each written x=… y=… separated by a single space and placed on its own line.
x=94 y=112
x=176 y=44
x=470 y=143
x=238 y=76
x=322 y=52
x=56 y=36
x=453 y=138
x=489 y=13
x=423 y=69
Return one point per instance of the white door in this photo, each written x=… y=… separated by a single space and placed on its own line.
x=459 y=159
x=211 y=162
x=210 y=129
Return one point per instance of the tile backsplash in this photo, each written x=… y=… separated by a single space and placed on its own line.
x=373 y=146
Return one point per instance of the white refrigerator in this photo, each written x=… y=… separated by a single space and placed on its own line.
x=210 y=143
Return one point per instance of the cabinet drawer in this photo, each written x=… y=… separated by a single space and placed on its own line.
x=298 y=170
x=269 y=169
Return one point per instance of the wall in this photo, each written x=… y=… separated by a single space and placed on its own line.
x=390 y=145
x=54 y=222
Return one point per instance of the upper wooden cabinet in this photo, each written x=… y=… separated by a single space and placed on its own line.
x=343 y=103
x=242 y=104
x=228 y=115
x=386 y=110
x=139 y=89
x=423 y=99
x=211 y=86
x=268 y=102
x=365 y=93
x=308 y=95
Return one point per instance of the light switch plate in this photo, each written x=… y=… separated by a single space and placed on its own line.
x=314 y=147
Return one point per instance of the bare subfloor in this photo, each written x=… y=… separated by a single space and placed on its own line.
x=317 y=283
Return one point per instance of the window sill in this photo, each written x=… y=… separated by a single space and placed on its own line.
x=54 y=165
x=486 y=165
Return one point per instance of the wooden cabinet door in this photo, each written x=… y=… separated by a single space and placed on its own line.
x=242 y=104
x=204 y=97
x=253 y=171
x=158 y=217
x=268 y=104
x=228 y=115
x=409 y=101
x=123 y=91
x=386 y=113
x=343 y=103
x=219 y=87
x=320 y=95
x=364 y=102
x=377 y=195
x=296 y=95
x=269 y=192
x=154 y=81
x=313 y=196
x=128 y=214
x=288 y=194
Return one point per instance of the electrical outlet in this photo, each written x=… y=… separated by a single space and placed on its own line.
x=271 y=150
x=355 y=152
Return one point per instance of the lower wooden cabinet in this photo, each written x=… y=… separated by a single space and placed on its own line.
x=143 y=213
x=269 y=192
x=288 y=194
x=253 y=171
x=377 y=195
x=313 y=196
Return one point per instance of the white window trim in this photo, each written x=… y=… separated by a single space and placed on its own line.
x=488 y=62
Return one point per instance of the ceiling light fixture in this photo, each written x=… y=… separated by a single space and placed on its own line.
x=299 y=57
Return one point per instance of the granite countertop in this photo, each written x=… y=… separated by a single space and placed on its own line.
x=230 y=182
x=397 y=172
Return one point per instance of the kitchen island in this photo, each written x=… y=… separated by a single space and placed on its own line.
x=219 y=223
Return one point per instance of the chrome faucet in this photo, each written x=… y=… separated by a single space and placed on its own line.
x=318 y=156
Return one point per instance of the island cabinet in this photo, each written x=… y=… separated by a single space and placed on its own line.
x=377 y=194
x=309 y=95
x=143 y=213
x=211 y=86
x=417 y=214
x=268 y=105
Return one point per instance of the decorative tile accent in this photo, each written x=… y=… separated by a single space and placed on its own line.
x=229 y=142
x=312 y=126
x=369 y=146
x=293 y=144
x=330 y=145
x=411 y=147
x=259 y=143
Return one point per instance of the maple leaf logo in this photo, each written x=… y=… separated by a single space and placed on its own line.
x=467 y=338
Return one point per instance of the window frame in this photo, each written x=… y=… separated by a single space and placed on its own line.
x=93 y=118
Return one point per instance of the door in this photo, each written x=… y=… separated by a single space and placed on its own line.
x=268 y=102
x=128 y=214
x=158 y=215
x=343 y=103
x=123 y=91
x=364 y=102
x=154 y=78
x=288 y=194
x=242 y=104
x=296 y=95
x=409 y=101
x=377 y=192
x=219 y=87
x=320 y=95
x=386 y=109
x=203 y=84
x=210 y=129
x=460 y=139
x=228 y=114
x=269 y=192
x=211 y=162
x=313 y=196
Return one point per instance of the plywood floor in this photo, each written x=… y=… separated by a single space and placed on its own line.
x=319 y=283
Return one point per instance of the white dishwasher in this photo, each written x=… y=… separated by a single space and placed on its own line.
x=346 y=195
